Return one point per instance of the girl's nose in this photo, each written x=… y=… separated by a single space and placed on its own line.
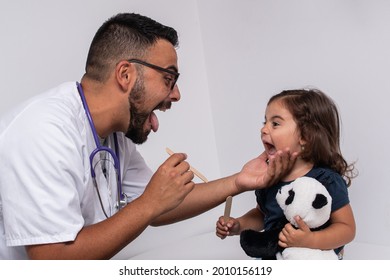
x=263 y=130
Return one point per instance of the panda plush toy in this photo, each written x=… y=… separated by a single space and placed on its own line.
x=305 y=197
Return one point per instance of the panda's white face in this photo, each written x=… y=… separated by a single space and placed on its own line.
x=308 y=198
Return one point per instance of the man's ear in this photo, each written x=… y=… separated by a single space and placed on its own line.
x=125 y=74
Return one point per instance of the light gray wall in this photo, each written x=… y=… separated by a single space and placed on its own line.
x=233 y=56
x=44 y=43
x=254 y=49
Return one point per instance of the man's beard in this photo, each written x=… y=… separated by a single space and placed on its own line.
x=137 y=119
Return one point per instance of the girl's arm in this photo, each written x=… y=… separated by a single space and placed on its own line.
x=340 y=232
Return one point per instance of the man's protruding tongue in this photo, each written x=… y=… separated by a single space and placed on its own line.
x=154 y=121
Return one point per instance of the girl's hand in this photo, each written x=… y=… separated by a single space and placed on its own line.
x=292 y=237
x=228 y=228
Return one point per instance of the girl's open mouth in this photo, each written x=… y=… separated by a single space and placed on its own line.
x=269 y=148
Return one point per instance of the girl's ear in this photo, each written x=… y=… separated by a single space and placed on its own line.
x=302 y=142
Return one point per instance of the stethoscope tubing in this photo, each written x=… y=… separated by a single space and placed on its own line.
x=99 y=148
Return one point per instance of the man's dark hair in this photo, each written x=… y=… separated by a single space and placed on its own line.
x=124 y=36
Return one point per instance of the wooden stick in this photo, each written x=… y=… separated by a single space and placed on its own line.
x=228 y=208
x=196 y=172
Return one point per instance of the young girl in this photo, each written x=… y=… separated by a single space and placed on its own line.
x=306 y=121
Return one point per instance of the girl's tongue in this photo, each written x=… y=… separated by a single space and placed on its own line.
x=154 y=121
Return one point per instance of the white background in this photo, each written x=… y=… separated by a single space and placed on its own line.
x=233 y=56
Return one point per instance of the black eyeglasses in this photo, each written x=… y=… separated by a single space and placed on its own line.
x=158 y=68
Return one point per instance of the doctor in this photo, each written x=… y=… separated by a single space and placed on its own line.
x=74 y=185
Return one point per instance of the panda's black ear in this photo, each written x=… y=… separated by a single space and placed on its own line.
x=290 y=197
x=320 y=201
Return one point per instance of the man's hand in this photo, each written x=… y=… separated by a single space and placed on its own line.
x=265 y=171
x=170 y=184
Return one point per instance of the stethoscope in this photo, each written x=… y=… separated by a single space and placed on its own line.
x=121 y=196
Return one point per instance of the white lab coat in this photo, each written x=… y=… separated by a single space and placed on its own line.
x=46 y=190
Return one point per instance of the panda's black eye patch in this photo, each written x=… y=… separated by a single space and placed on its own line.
x=290 y=197
x=320 y=201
